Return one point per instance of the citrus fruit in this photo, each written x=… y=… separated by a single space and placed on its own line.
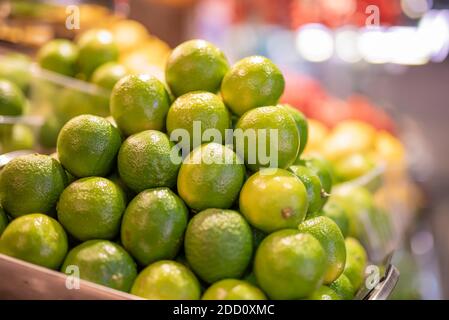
x=166 y=280
x=323 y=170
x=313 y=186
x=301 y=124
x=96 y=47
x=356 y=260
x=91 y=208
x=12 y=100
x=252 y=82
x=289 y=264
x=153 y=225
x=148 y=160
x=16 y=67
x=353 y=166
x=233 y=289
x=218 y=244
x=102 y=262
x=3 y=220
x=48 y=134
x=129 y=34
x=317 y=133
x=139 y=103
x=273 y=201
x=17 y=137
x=329 y=235
x=196 y=113
x=71 y=102
x=324 y=293
x=359 y=205
x=337 y=213
x=210 y=177
x=343 y=288
x=31 y=183
x=349 y=137
x=108 y=74
x=35 y=238
x=115 y=177
x=195 y=65
x=87 y=146
x=59 y=56
x=267 y=137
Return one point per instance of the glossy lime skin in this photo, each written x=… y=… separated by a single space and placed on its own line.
x=250 y=83
x=36 y=238
x=102 y=262
x=211 y=177
x=233 y=289
x=324 y=293
x=275 y=200
x=108 y=74
x=289 y=265
x=313 y=186
x=195 y=65
x=88 y=145
x=145 y=161
x=329 y=235
x=12 y=100
x=356 y=260
x=153 y=225
x=272 y=127
x=301 y=124
x=218 y=244
x=167 y=280
x=59 y=56
x=92 y=208
x=343 y=288
x=139 y=103
x=338 y=214
x=198 y=108
x=31 y=183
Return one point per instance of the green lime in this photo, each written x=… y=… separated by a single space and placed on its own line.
x=35 y=238
x=289 y=264
x=48 y=134
x=195 y=65
x=250 y=83
x=267 y=137
x=87 y=146
x=359 y=204
x=71 y=103
x=102 y=262
x=218 y=244
x=12 y=100
x=210 y=177
x=92 y=208
x=166 y=280
x=301 y=124
x=114 y=177
x=139 y=103
x=323 y=170
x=147 y=160
x=96 y=47
x=108 y=74
x=324 y=293
x=233 y=289
x=353 y=166
x=343 y=287
x=70 y=177
x=59 y=56
x=16 y=137
x=329 y=235
x=16 y=67
x=153 y=225
x=197 y=113
x=273 y=200
x=313 y=186
x=356 y=260
x=3 y=220
x=338 y=214
x=31 y=183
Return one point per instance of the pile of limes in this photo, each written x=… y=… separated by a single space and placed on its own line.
x=136 y=207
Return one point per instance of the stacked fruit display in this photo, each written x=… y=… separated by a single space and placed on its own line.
x=201 y=191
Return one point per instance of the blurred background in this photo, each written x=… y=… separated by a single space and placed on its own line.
x=381 y=62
